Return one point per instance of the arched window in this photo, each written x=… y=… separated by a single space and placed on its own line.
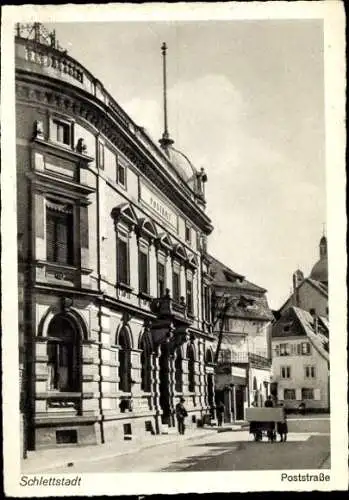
x=63 y=351
x=178 y=371
x=191 y=368
x=124 y=361
x=145 y=364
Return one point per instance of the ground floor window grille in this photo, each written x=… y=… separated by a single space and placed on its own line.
x=63 y=351
x=145 y=365
x=124 y=361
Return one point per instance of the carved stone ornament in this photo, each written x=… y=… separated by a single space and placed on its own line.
x=38 y=130
x=66 y=303
x=81 y=146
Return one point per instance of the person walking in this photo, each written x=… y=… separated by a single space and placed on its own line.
x=269 y=402
x=220 y=413
x=181 y=414
x=271 y=432
x=282 y=427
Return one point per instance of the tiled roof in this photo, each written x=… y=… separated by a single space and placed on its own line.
x=288 y=325
x=224 y=276
x=319 y=341
x=247 y=305
x=301 y=322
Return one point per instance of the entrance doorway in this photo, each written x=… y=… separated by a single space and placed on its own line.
x=239 y=402
x=164 y=385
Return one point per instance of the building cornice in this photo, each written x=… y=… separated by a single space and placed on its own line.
x=45 y=91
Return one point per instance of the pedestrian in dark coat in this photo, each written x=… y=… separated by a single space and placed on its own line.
x=181 y=414
x=271 y=432
x=220 y=413
x=282 y=427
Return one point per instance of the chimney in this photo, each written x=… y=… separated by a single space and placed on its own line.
x=297 y=279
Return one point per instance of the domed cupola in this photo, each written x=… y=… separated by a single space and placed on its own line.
x=183 y=166
x=320 y=269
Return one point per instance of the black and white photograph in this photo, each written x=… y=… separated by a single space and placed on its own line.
x=173 y=248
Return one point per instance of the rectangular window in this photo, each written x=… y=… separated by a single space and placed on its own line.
x=299 y=349
x=289 y=394
x=309 y=371
x=285 y=372
x=59 y=235
x=61 y=132
x=305 y=348
x=101 y=155
x=190 y=305
x=207 y=304
x=187 y=234
x=308 y=393
x=161 y=279
x=120 y=173
x=277 y=350
x=293 y=349
x=143 y=271
x=284 y=350
x=122 y=260
x=176 y=293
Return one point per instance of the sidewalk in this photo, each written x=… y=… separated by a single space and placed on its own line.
x=47 y=460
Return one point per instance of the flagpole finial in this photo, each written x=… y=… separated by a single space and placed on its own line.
x=165 y=140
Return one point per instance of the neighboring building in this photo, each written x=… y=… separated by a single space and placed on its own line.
x=113 y=280
x=243 y=371
x=301 y=359
x=301 y=340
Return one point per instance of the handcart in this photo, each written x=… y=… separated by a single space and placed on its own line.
x=263 y=422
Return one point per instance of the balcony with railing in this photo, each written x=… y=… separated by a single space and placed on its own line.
x=167 y=307
x=257 y=358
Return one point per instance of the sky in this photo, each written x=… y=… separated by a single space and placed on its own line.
x=246 y=102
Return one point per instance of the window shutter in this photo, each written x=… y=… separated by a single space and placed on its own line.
x=317 y=394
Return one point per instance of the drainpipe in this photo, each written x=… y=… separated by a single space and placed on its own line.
x=100 y=309
x=98 y=240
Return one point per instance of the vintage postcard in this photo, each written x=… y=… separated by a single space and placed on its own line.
x=173 y=248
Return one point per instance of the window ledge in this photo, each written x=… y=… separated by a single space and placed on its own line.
x=57 y=265
x=124 y=286
x=65 y=149
x=58 y=395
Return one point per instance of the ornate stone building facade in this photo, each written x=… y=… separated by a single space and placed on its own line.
x=113 y=280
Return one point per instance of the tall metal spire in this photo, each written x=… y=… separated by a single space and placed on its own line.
x=165 y=141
